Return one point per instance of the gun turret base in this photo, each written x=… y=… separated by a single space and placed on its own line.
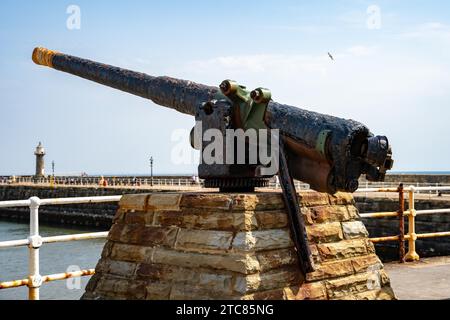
x=236 y=184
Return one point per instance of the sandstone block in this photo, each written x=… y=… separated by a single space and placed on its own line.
x=168 y=218
x=363 y=264
x=241 y=263
x=274 y=259
x=273 y=279
x=131 y=253
x=269 y=201
x=324 y=232
x=277 y=294
x=225 y=221
x=330 y=270
x=149 y=236
x=91 y=286
x=307 y=291
x=354 y=230
x=323 y=214
x=315 y=253
x=341 y=198
x=145 y=218
x=352 y=285
x=164 y=201
x=203 y=240
x=119 y=216
x=195 y=277
x=271 y=219
x=385 y=293
x=134 y=290
x=119 y=268
x=136 y=202
x=106 y=252
x=158 y=290
x=262 y=240
x=181 y=291
x=116 y=232
x=342 y=250
x=244 y=202
x=313 y=199
x=207 y=201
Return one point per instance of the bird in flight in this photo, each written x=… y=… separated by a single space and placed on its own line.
x=331 y=57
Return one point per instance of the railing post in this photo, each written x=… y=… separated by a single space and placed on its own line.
x=401 y=225
x=35 y=242
x=412 y=254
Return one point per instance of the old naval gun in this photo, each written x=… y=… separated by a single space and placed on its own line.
x=328 y=153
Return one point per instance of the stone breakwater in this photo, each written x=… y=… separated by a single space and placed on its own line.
x=90 y=215
x=235 y=246
x=410 y=178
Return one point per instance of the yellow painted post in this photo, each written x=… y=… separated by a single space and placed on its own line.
x=412 y=254
x=401 y=226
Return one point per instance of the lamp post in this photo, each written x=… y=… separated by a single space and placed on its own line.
x=151 y=171
x=52 y=179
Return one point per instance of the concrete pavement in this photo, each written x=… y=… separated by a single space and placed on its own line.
x=428 y=279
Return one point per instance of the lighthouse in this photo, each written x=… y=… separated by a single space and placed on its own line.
x=40 y=153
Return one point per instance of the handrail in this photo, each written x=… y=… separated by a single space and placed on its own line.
x=35 y=241
x=411 y=213
x=180 y=181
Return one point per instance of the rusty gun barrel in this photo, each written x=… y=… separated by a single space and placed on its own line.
x=181 y=95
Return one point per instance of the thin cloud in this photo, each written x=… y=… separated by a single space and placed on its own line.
x=430 y=30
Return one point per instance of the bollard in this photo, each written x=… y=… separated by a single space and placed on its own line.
x=412 y=254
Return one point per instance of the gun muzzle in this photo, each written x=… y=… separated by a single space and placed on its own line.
x=43 y=57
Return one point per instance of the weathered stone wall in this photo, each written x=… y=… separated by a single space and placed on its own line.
x=381 y=227
x=93 y=215
x=235 y=246
x=417 y=178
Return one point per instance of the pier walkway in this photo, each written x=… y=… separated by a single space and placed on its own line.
x=427 y=279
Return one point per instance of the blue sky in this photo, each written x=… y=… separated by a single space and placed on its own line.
x=394 y=79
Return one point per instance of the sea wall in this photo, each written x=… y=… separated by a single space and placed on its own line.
x=417 y=178
x=92 y=215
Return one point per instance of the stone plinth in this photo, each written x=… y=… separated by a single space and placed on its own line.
x=235 y=246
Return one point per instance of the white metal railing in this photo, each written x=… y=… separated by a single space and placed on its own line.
x=35 y=241
x=411 y=213
x=102 y=181
x=136 y=182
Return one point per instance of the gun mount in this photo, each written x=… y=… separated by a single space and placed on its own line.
x=328 y=153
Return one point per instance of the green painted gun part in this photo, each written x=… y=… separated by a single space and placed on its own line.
x=322 y=141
